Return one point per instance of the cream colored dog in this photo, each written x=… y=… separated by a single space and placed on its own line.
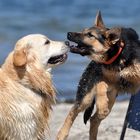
x=26 y=89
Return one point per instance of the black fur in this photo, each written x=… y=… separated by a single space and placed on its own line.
x=93 y=73
x=88 y=112
x=87 y=81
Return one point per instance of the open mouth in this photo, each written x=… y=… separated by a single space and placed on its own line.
x=80 y=49
x=57 y=59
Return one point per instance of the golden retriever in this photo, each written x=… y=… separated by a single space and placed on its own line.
x=26 y=89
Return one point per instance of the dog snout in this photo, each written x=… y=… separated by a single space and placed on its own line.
x=67 y=43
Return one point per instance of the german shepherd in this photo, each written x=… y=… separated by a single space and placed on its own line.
x=114 y=69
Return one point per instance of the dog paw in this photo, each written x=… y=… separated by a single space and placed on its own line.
x=102 y=109
x=103 y=113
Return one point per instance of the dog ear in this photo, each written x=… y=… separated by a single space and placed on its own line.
x=99 y=21
x=19 y=57
x=113 y=35
x=113 y=38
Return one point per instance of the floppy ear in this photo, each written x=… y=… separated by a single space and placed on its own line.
x=19 y=57
x=99 y=21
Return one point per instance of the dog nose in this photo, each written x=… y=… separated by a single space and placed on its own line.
x=69 y=34
x=67 y=43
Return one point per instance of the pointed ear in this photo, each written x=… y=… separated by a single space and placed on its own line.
x=19 y=57
x=99 y=21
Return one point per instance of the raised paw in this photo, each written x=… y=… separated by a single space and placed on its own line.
x=102 y=108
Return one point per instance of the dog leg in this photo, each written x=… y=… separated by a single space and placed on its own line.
x=102 y=99
x=77 y=108
x=64 y=131
x=96 y=120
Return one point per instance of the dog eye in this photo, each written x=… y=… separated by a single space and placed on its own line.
x=47 y=42
x=90 y=34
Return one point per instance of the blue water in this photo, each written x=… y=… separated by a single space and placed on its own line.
x=55 y=18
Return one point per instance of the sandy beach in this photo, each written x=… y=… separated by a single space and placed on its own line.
x=110 y=128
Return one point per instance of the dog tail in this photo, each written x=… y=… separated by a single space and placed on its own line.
x=88 y=112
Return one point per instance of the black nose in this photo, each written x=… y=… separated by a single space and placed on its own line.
x=67 y=43
x=69 y=35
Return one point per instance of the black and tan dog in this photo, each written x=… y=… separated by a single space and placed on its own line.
x=114 y=69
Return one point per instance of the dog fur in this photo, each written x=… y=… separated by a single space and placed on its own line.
x=26 y=88
x=106 y=76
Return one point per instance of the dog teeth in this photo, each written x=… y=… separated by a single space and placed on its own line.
x=73 y=43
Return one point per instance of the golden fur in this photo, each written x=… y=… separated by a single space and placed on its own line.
x=26 y=91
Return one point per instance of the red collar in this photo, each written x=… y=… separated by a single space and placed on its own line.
x=111 y=60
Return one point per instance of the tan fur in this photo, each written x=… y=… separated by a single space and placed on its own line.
x=19 y=57
x=26 y=94
x=95 y=120
x=114 y=78
x=131 y=73
x=63 y=133
x=102 y=99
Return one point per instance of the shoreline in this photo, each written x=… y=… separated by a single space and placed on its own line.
x=110 y=128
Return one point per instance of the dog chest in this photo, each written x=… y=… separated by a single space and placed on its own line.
x=123 y=80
